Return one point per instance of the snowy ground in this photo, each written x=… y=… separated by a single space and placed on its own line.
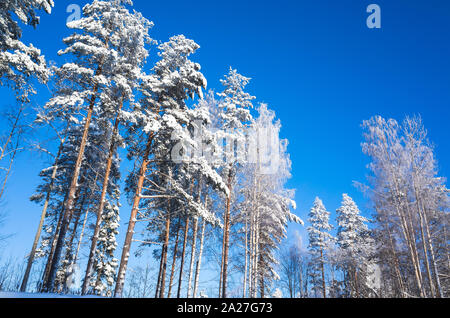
x=39 y=295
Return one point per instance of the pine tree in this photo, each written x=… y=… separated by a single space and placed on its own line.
x=128 y=75
x=18 y=61
x=234 y=115
x=319 y=240
x=98 y=61
x=175 y=78
x=355 y=243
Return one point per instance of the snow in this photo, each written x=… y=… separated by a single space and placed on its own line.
x=41 y=295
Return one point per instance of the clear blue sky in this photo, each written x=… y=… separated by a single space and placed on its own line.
x=314 y=62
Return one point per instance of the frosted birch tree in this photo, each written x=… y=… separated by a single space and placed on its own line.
x=266 y=206
x=408 y=198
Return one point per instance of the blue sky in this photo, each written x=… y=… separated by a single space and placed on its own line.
x=314 y=62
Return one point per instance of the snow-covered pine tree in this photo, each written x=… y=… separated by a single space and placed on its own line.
x=128 y=75
x=319 y=240
x=105 y=263
x=18 y=61
x=175 y=78
x=234 y=116
x=355 y=243
x=98 y=64
x=55 y=187
x=203 y=166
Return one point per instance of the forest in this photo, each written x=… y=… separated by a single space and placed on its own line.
x=205 y=174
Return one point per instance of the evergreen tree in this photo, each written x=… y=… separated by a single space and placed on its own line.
x=354 y=241
x=175 y=78
x=319 y=241
x=18 y=61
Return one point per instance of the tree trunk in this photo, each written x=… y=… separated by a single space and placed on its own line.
x=51 y=252
x=256 y=263
x=158 y=284
x=186 y=230
x=112 y=148
x=72 y=237
x=226 y=237
x=174 y=260
x=356 y=282
x=130 y=231
x=199 y=260
x=426 y=240
x=244 y=289
x=396 y=261
x=193 y=252
x=221 y=259
x=165 y=249
x=425 y=252
x=23 y=287
x=81 y=237
x=324 y=289
x=433 y=258
x=406 y=227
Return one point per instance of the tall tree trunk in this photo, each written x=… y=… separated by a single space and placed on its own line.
x=221 y=259
x=226 y=237
x=165 y=249
x=427 y=242
x=300 y=279
x=23 y=287
x=244 y=289
x=261 y=284
x=174 y=261
x=324 y=289
x=356 y=282
x=112 y=149
x=194 y=241
x=183 y=254
x=69 y=248
x=193 y=252
x=439 y=293
x=256 y=263
x=406 y=226
x=158 y=283
x=52 y=251
x=396 y=261
x=251 y=254
x=199 y=260
x=130 y=231
x=425 y=252
x=80 y=239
